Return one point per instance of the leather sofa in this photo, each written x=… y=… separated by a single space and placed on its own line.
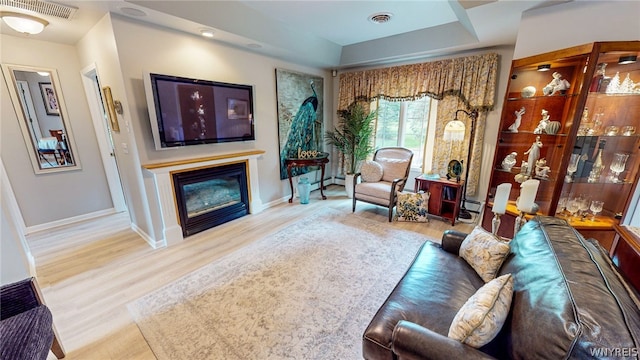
x=569 y=301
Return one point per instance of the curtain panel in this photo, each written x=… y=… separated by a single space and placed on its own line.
x=472 y=79
x=467 y=83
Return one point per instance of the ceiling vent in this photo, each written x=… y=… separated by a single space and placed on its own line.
x=42 y=7
x=380 y=18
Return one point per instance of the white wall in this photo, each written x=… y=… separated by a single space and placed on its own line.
x=576 y=23
x=13 y=262
x=46 y=198
x=122 y=60
x=99 y=48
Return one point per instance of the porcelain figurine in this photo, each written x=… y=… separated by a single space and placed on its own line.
x=509 y=161
x=514 y=127
x=542 y=125
x=542 y=170
x=558 y=84
x=534 y=155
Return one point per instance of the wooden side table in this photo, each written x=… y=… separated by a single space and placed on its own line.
x=294 y=162
x=445 y=196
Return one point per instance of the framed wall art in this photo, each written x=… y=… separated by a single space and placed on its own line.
x=49 y=98
x=237 y=109
x=300 y=116
x=111 y=109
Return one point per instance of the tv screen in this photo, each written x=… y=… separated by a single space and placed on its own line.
x=187 y=111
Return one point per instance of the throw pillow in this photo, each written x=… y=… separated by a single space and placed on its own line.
x=393 y=168
x=485 y=252
x=482 y=316
x=371 y=171
x=412 y=207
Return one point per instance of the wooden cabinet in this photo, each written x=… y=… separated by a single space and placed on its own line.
x=596 y=117
x=444 y=198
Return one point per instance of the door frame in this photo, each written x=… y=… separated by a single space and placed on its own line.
x=107 y=152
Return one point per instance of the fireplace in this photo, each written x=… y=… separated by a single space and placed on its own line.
x=211 y=196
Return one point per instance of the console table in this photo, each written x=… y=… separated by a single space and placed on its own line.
x=295 y=162
x=445 y=195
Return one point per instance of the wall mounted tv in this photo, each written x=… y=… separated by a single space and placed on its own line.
x=187 y=111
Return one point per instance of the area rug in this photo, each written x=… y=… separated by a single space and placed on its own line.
x=305 y=292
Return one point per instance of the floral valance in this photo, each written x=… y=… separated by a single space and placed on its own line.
x=471 y=78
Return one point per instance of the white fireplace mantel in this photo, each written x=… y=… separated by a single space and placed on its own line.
x=162 y=176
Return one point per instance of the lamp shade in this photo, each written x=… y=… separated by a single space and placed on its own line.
x=454 y=131
x=23 y=23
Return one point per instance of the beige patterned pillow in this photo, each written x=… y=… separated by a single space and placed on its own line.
x=485 y=252
x=482 y=316
x=393 y=168
x=371 y=171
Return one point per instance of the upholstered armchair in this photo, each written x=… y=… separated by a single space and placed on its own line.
x=383 y=178
x=26 y=324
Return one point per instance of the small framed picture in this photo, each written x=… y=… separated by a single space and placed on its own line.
x=49 y=98
x=111 y=109
x=237 y=109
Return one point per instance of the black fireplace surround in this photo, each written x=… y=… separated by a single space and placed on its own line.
x=211 y=196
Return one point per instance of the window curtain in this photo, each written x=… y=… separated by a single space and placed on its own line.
x=467 y=83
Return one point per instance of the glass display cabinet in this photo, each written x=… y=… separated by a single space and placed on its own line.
x=571 y=119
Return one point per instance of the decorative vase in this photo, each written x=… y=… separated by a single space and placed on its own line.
x=553 y=127
x=348 y=185
x=304 y=188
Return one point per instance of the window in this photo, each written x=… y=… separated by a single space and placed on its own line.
x=404 y=123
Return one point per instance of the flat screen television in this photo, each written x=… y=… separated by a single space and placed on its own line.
x=186 y=111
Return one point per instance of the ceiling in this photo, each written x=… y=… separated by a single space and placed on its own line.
x=322 y=33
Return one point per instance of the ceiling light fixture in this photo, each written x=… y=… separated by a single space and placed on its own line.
x=380 y=18
x=629 y=59
x=544 y=67
x=132 y=11
x=23 y=23
x=206 y=33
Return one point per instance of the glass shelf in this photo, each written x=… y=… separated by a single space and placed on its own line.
x=543 y=97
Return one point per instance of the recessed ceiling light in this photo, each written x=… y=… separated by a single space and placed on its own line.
x=544 y=67
x=629 y=59
x=380 y=18
x=254 y=46
x=206 y=33
x=132 y=11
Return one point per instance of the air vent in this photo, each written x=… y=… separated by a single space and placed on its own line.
x=380 y=18
x=42 y=7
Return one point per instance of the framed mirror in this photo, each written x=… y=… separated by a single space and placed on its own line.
x=44 y=122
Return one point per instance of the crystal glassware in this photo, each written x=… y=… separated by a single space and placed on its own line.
x=583 y=202
x=562 y=204
x=617 y=166
x=573 y=205
x=573 y=166
x=596 y=207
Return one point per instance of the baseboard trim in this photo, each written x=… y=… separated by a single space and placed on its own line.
x=155 y=244
x=68 y=221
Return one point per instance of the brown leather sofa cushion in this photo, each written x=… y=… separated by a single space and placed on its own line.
x=430 y=294
x=568 y=302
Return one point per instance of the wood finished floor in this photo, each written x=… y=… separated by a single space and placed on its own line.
x=90 y=271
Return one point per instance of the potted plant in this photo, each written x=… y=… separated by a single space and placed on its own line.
x=352 y=137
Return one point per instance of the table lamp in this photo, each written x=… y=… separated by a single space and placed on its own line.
x=499 y=205
x=526 y=202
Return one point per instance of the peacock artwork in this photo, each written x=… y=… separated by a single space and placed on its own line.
x=300 y=117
